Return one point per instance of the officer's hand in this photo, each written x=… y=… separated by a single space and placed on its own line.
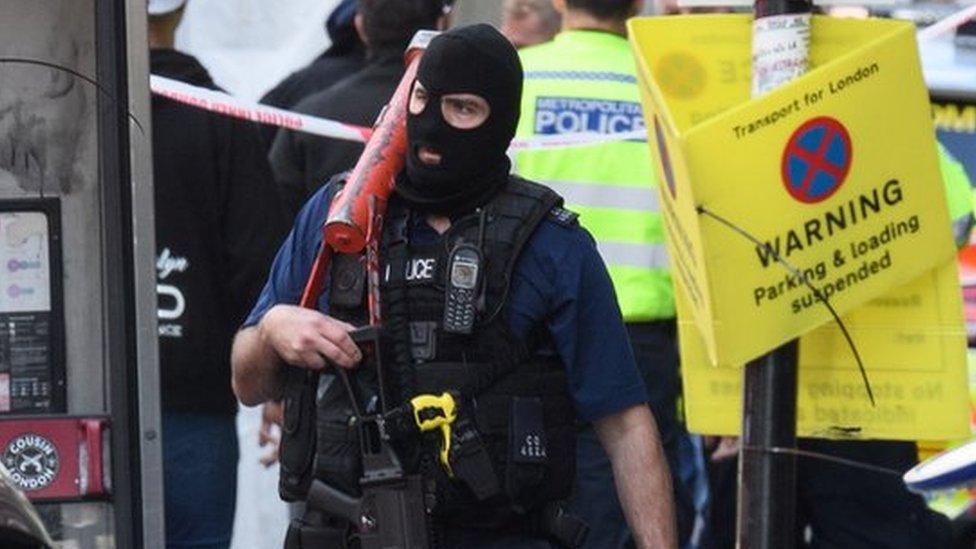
x=308 y=339
x=722 y=448
x=270 y=432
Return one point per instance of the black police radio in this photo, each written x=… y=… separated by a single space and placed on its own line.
x=461 y=295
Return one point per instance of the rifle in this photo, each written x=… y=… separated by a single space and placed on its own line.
x=391 y=512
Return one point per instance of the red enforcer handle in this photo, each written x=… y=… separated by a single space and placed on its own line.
x=368 y=187
x=374 y=176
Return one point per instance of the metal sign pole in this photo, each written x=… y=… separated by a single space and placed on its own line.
x=129 y=240
x=767 y=480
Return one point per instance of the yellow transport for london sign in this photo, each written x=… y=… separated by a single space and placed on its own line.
x=828 y=186
x=829 y=182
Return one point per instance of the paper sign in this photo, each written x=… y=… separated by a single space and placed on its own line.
x=25 y=282
x=913 y=347
x=836 y=172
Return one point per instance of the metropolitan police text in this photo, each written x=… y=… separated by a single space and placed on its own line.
x=561 y=115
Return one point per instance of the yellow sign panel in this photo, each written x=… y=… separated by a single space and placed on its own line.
x=913 y=347
x=829 y=182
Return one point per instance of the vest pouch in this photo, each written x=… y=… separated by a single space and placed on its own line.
x=526 y=422
x=297 y=448
x=338 y=460
x=470 y=461
x=316 y=533
x=528 y=455
x=349 y=288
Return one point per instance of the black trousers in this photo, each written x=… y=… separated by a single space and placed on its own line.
x=844 y=507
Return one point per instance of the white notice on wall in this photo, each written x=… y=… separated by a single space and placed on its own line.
x=25 y=284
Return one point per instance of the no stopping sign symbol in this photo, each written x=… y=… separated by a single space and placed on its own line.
x=816 y=160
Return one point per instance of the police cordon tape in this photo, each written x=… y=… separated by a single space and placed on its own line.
x=229 y=105
x=222 y=103
x=947 y=24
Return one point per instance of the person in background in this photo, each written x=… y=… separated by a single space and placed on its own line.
x=345 y=56
x=852 y=508
x=585 y=80
x=529 y=22
x=959 y=193
x=218 y=224
x=302 y=163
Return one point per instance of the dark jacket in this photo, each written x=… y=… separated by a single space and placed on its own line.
x=302 y=162
x=218 y=223
x=319 y=75
x=346 y=55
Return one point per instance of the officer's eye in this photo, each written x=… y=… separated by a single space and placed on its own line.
x=466 y=108
x=465 y=111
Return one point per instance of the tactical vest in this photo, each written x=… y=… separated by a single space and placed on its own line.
x=513 y=390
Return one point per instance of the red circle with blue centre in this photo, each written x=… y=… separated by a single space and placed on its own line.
x=816 y=160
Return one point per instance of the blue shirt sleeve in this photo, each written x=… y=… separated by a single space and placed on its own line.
x=295 y=257
x=560 y=279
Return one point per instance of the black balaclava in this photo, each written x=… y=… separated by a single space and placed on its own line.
x=475 y=59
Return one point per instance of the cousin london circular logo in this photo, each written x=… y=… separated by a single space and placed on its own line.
x=32 y=461
x=816 y=160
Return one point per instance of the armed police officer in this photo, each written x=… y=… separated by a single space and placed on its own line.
x=546 y=346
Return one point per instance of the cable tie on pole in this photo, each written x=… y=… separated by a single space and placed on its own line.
x=823 y=457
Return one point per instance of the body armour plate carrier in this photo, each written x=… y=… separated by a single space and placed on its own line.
x=513 y=391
